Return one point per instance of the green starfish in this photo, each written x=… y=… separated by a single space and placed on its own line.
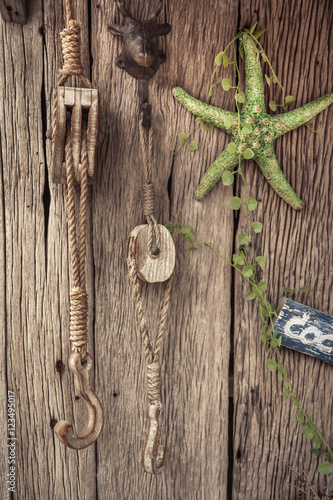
x=264 y=128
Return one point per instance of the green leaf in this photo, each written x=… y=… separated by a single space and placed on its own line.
x=189 y=237
x=305 y=288
x=271 y=364
x=272 y=105
x=225 y=59
x=253 y=27
x=226 y=84
x=268 y=80
x=248 y=154
x=258 y=33
x=262 y=285
x=218 y=58
x=208 y=126
x=280 y=375
x=300 y=418
x=261 y=260
x=247 y=272
x=325 y=468
x=219 y=80
x=186 y=229
x=256 y=226
x=193 y=146
x=286 y=289
x=246 y=130
x=263 y=338
x=228 y=121
x=242 y=251
x=243 y=239
x=193 y=248
x=198 y=119
x=317 y=442
x=289 y=100
x=231 y=147
x=237 y=259
x=169 y=226
x=234 y=203
x=263 y=55
x=227 y=178
x=307 y=432
x=240 y=96
x=241 y=49
x=315 y=451
x=285 y=394
x=279 y=341
x=182 y=137
x=275 y=80
x=251 y=202
x=250 y=295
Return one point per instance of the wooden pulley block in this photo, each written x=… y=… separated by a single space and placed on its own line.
x=82 y=105
x=152 y=268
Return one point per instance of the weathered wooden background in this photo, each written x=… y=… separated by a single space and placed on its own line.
x=224 y=415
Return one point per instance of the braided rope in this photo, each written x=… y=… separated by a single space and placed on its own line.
x=152 y=354
x=77 y=241
x=148 y=191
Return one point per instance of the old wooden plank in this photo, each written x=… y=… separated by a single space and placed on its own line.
x=305 y=330
x=14 y=11
x=21 y=77
x=299 y=44
x=196 y=348
x=78 y=472
x=4 y=466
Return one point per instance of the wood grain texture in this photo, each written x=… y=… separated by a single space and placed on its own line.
x=296 y=246
x=209 y=321
x=196 y=348
x=14 y=11
x=152 y=269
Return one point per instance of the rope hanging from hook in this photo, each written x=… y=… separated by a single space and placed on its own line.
x=74 y=140
x=154 y=454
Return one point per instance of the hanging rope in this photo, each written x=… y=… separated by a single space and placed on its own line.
x=72 y=66
x=71 y=53
x=153 y=454
x=77 y=243
x=148 y=191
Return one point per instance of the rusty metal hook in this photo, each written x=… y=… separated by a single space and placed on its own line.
x=154 y=455
x=95 y=420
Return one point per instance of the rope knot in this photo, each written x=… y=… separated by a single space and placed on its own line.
x=78 y=318
x=71 y=49
x=154 y=383
x=148 y=199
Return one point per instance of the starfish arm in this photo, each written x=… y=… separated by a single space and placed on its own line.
x=269 y=166
x=297 y=117
x=208 y=113
x=254 y=93
x=224 y=162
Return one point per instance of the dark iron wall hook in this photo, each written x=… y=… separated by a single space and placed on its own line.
x=140 y=56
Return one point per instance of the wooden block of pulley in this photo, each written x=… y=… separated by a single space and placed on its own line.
x=14 y=11
x=75 y=101
x=152 y=269
x=305 y=329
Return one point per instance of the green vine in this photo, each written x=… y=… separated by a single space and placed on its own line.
x=245 y=262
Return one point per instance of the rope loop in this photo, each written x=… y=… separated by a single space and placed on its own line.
x=71 y=49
